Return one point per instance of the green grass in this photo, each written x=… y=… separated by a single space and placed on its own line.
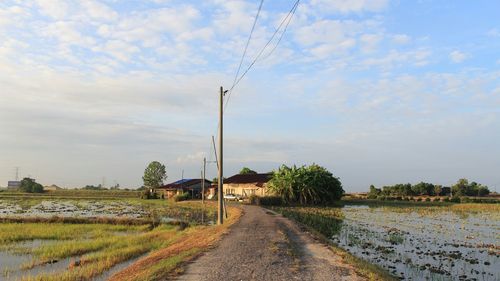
x=162 y=269
x=17 y=232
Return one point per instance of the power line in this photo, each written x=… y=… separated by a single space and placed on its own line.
x=282 y=34
x=248 y=41
x=286 y=19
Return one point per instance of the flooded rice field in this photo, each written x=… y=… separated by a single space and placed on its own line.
x=77 y=248
x=81 y=209
x=424 y=244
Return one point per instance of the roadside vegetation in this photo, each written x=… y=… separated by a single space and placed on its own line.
x=305 y=185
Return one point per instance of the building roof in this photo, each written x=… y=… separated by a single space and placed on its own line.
x=184 y=183
x=249 y=178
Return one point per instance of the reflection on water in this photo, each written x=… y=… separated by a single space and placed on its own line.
x=415 y=245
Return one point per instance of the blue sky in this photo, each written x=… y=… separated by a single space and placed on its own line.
x=379 y=92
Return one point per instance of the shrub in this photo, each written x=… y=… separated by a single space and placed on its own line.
x=181 y=197
x=446 y=199
x=149 y=195
x=455 y=199
x=253 y=199
x=29 y=185
x=466 y=200
x=305 y=185
x=428 y=199
x=270 y=201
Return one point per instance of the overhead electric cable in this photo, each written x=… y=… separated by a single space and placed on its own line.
x=287 y=17
x=248 y=41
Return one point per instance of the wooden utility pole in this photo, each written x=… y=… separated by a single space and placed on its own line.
x=203 y=181
x=220 y=195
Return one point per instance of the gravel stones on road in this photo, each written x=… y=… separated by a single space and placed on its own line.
x=266 y=246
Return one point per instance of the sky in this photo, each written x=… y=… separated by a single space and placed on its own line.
x=377 y=91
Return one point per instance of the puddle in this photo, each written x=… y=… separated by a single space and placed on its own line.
x=11 y=261
x=117 y=268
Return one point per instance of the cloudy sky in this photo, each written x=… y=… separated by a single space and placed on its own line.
x=377 y=91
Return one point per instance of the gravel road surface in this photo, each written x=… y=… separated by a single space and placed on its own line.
x=265 y=246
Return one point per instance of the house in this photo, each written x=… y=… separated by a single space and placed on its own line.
x=248 y=184
x=51 y=188
x=192 y=186
x=13 y=184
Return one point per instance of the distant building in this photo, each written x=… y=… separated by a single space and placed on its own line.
x=192 y=186
x=13 y=184
x=51 y=188
x=246 y=185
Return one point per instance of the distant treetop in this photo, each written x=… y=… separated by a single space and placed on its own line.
x=247 y=171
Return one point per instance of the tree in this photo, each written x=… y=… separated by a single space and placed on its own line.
x=460 y=188
x=154 y=175
x=374 y=192
x=247 y=171
x=29 y=185
x=306 y=185
x=482 y=190
x=464 y=188
x=438 y=189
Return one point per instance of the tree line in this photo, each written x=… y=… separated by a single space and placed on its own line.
x=461 y=188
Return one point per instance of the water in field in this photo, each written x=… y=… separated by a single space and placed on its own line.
x=81 y=209
x=424 y=244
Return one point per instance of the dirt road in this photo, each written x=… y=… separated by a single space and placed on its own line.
x=266 y=246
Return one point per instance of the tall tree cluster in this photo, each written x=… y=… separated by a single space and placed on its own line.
x=305 y=185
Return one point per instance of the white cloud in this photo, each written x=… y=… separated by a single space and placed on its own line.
x=118 y=49
x=349 y=6
x=493 y=32
x=66 y=32
x=401 y=39
x=457 y=56
x=100 y=11
x=397 y=58
x=370 y=42
x=233 y=17
x=56 y=9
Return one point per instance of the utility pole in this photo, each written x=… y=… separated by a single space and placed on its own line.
x=220 y=195
x=203 y=181
x=17 y=173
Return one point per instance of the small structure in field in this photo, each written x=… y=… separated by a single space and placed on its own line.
x=13 y=184
x=247 y=184
x=191 y=186
x=51 y=188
